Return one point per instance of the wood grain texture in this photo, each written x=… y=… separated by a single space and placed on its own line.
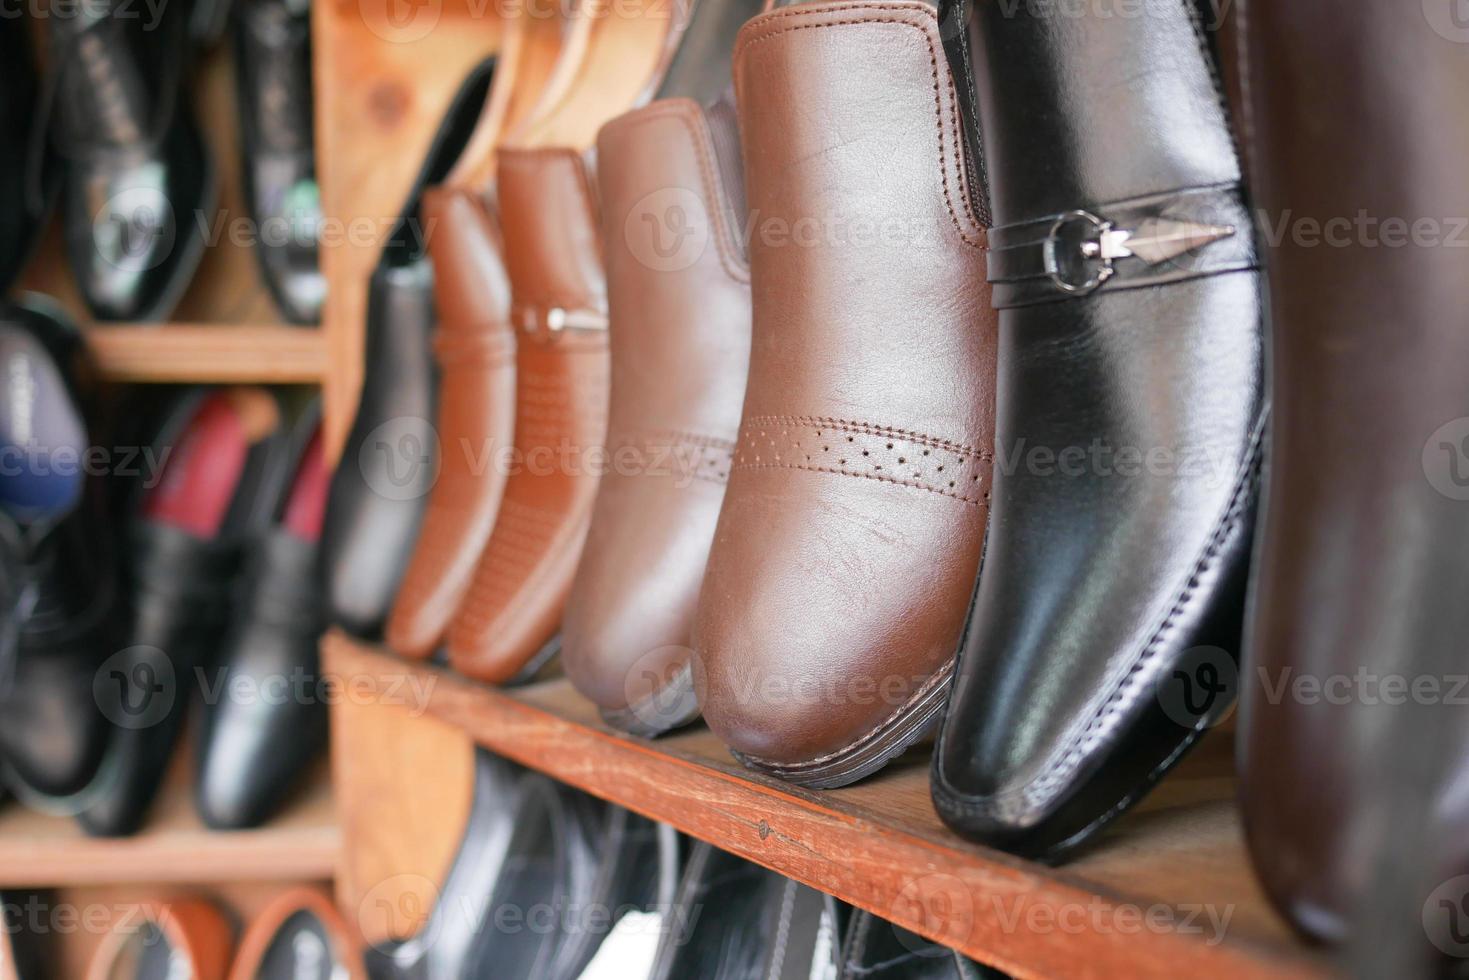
x=302 y=843
x=382 y=86
x=1137 y=904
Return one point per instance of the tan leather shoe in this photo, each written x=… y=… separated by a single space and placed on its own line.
x=679 y=294
x=299 y=933
x=851 y=531
x=508 y=623
x=189 y=937
x=475 y=350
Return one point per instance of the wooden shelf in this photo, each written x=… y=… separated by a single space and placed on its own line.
x=209 y=353
x=1179 y=858
x=301 y=844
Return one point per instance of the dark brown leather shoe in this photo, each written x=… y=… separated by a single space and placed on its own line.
x=1352 y=736
x=852 y=526
x=679 y=294
x=475 y=349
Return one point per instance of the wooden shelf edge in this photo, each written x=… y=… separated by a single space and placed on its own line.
x=936 y=885
x=302 y=843
x=209 y=353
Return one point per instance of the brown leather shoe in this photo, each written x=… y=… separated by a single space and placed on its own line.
x=1352 y=735
x=507 y=625
x=299 y=933
x=679 y=293
x=189 y=937
x=847 y=547
x=475 y=349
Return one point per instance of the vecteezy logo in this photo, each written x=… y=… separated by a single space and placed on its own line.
x=134 y=230
x=668 y=230
x=941 y=905
x=1446 y=459
x=399 y=459
x=1448 y=18
x=401 y=21
x=135 y=688
x=1200 y=690
x=400 y=906
x=659 y=688
x=1446 y=917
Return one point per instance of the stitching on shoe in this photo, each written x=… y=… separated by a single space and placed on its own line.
x=1058 y=770
x=937 y=678
x=688 y=112
x=760 y=33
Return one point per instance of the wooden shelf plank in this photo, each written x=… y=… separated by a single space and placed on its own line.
x=301 y=844
x=209 y=353
x=1166 y=893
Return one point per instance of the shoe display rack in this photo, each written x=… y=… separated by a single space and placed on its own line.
x=1166 y=892
x=225 y=331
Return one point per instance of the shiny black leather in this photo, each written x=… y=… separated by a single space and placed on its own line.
x=734 y=920
x=138 y=189
x=254 y=748
x=1129 y=425
x=273 y=66
x=181 y=590
x=389 y=463
x=26 y=182
x=571 y=861
x=441 y=948
x=875 y=949
x=58 y=583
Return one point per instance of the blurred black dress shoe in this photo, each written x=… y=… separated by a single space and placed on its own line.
x=580 y=859
x=875 y=949
x=197 y=503
x=273 y=61
x=390 y=460
x=733 y=920
x=265 y=716
x=139 y=184
x=27 y=184
x=440 y=949
x=58 y=586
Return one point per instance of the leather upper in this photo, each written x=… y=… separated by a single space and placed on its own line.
x=855 y=513
x=1129 y=427
x=137 y=172
x=1349 y=784
x=514 y=604
x=474 y=347
x=680 y=345
x=298 y=935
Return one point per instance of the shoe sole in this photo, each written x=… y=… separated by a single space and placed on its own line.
x=872 y=751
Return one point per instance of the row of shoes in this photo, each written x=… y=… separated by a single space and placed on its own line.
x=552 y=884
x=548 y=884
x=936 y=289
x=164 y=561
x=109 y=129
x=298 y=934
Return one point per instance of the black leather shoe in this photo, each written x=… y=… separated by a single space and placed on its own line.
x=58 y=586
x=441 y=948
x=26 y=182
x=572 y=861
x=139 y=185
x=733 y=920
x=1104 y=632
x=273 y=65
x=189 y=525
x=876 y=949
x=265 y=713
x=390 y=460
